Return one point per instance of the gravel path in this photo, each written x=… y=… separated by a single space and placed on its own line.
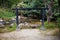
x=27 y=34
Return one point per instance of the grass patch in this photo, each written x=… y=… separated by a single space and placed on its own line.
x=8 y=28
x=50 y=25
x=47 y=25
x=58 y=22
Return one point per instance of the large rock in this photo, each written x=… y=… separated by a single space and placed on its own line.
x=28 y=25
x=34 y=25
x=1 y=26
x=13 y=20
x=24 y=25
x=1 y=23
x=23 y=19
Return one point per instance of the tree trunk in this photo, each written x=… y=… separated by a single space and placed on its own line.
x=49 y=11
x=48 y=19
x=49 y=14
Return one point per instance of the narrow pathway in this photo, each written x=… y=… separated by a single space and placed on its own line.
x=27 y=34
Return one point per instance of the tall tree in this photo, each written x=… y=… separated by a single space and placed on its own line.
x=49 y=13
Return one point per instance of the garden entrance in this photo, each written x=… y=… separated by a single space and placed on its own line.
x=17 y=16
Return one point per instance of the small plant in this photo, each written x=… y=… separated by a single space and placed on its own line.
x=49 y=25
x=11 y=28
x=58 y=22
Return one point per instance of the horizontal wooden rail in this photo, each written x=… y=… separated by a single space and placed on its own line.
x=30 y=9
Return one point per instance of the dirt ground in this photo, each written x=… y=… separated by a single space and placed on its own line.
x=28 y=34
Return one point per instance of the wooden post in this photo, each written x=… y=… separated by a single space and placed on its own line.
x=17 y=21
x=42 y=11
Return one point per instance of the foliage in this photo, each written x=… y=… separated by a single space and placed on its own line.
x=8 y=3
x=49 y=25
x=6 y=14
x=31 y=3
x=11 y=28
x=58 y=22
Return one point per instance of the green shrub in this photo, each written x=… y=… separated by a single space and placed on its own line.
x=6 y=14
x=58 y=22
x=11 y=28
x=49 y=25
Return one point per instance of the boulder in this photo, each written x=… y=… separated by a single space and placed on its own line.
x=21 y=25
x=11 y=24
x=7 y=22
x=1 y=26
x=24 y=25
x=34 y=25
x=13 y=20
x=1 y=23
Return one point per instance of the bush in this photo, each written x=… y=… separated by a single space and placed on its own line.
x=6 y=14
x=58 y=22
x=49 y=25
